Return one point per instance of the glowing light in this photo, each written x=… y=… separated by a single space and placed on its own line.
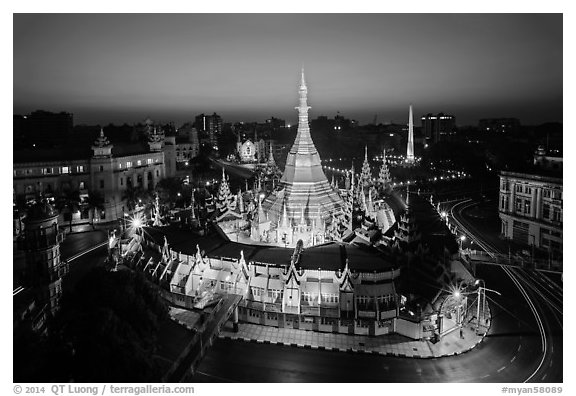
x=137 y=223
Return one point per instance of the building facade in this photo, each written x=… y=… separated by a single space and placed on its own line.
x=438 y=127
x=110 y=171
x=210 y=126
x=531 y=210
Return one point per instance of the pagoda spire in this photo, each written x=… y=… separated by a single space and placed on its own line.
x=303 y=181
x=384 y=175
x=366 y=176
x=410 y=147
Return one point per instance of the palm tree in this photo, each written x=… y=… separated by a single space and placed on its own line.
x=69 y=201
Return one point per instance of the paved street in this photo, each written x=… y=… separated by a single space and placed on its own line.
x=507 y=354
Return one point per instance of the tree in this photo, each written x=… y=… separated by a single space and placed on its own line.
x=169 y=188
x=134 y=195
x=106 y=330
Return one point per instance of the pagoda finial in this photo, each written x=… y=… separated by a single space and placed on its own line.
x=366 y=153
x=223 y=175
x=302 y=79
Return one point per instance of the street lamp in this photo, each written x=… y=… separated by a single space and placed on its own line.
x=444 y=215
x=482 y=294
x=462 y=239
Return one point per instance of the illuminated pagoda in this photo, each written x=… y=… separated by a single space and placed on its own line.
x=384 y=179
x=304 y=189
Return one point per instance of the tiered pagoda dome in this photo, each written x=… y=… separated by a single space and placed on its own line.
x=304 y=189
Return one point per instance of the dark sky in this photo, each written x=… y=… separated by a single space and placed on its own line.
x=124 y=67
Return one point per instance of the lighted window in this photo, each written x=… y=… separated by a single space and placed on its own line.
x=139 y=162
x=128 y=164
x=81 y=185
x=65 y=169
x=149 y=161
x=119 y=165
x=80 y=168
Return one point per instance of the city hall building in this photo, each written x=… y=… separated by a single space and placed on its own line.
x=103 y=168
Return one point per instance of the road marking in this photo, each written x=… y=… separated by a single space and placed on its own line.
x=501 y=368
x=514 y=358
x=485 y=376
x=519 y=347
x=544 y=376
x=17 y=290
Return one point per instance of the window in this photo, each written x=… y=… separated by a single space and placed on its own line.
x=546 y=211
x=149 y=161
x=128 y=164
x=557 y=194
x=101 y=168
x=528 y=190
x=257 y=291
x=101 y=183
x=47 y=171
x=527 y=207
x=546 y=193
x=139 y=162
x=157 y=173
x=518 y=188
x=518 y=205
x=81 y=186
x=504 y=185
x=119 y=165
x=556 y=214
x=80 y=168
x=121 y=181
x=65 y=169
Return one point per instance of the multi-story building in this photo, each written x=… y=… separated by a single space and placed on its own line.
x=438 y=127
x=531 y=206
x=210 y=126
x=109 y=171
x=187 y=145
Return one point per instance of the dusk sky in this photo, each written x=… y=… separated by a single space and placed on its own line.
x=125 y=67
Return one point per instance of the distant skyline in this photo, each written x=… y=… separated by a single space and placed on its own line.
x=116 y=68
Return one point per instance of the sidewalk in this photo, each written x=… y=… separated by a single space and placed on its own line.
x=388 y=345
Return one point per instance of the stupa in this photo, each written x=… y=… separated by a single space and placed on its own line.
x=304 y=190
